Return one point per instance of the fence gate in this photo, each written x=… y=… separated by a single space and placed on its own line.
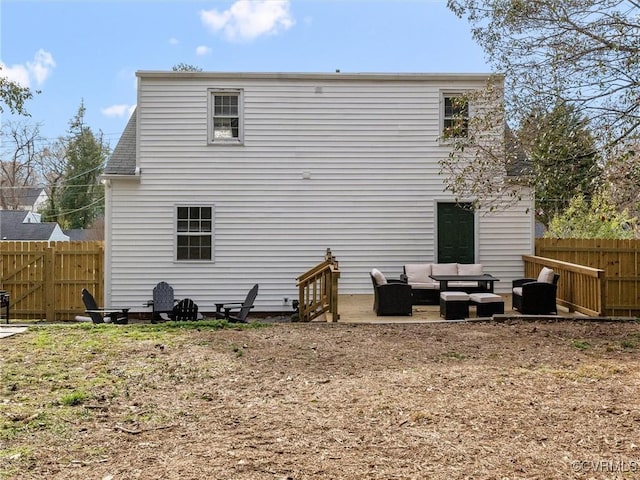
x=44 y=279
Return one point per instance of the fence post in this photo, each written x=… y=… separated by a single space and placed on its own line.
x=335 y=275
x=49 y=285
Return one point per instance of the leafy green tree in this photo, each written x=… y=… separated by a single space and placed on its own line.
x=584 y=53
x=78 y=197
x=562 y=154
x=597 y=218
x=185 y=67
x=621 y=179
x=482 y=153
x=13 y=95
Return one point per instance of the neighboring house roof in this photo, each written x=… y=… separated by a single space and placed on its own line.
x=23 y=225
x=123 y=158
x=518 y=164
x=78 y=234
x=27 y=198
x=30 y=196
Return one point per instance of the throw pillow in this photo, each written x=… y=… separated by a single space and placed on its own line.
x=379 y=277
x=546 y=275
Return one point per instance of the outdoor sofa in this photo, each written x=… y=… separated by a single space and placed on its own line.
x=426 y=291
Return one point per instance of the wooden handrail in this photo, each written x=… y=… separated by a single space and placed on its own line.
x=318 y=290
x=580 y=288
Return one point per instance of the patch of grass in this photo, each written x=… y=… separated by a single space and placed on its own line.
x=629 y=344
x=238 y=350
x=73 y=398
x=455 y=355
x=581 y=344
x=53 y=369
x=15 y=460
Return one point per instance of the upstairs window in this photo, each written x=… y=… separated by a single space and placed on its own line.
x=194 y=233
x=225 y=107
x=455 y=117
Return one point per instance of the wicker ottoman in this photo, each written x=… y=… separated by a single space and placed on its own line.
x=454 y=305
x=487 y=304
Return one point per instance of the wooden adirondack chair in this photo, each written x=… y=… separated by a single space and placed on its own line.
x=185 y=310
x=163 y=301
x=103 y=314
x=237 y=312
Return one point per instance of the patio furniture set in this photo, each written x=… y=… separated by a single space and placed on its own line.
x=456 y=287
x=167 y=308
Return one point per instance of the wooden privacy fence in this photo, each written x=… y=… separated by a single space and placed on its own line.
x=620 y=260
x=318 y=290
x=45 y=279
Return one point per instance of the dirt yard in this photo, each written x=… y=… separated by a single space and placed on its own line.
x=519 y=400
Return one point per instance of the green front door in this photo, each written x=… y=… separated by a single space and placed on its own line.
x=455 y=233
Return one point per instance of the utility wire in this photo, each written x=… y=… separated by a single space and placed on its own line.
x=85 y=207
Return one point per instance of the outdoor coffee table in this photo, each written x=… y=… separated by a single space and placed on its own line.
x=485 y=280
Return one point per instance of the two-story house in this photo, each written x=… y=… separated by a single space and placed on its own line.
x=223 y=180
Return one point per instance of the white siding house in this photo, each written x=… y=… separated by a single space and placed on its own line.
x=304 y=163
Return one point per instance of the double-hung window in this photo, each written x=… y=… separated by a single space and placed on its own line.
x=225 y=116
x=455 y=116
x=194 y=233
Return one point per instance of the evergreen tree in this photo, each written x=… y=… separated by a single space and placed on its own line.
x=562 y=155
x=78 y=198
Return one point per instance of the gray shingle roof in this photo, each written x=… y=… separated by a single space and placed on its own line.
x=12 y=228
x=30 y=195
x=123 y=158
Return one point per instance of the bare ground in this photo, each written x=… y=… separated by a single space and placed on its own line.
x=518 y=400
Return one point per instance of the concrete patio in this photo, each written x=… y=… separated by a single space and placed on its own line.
x=359 y=309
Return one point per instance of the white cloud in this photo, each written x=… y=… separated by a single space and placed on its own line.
x=41 y=66
x=173 y=41
x=16 y=73
x=249 y=19
x=119 y=110
x=35 y=71
x=203 y=50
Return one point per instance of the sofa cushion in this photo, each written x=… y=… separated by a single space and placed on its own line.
x=546 y=275
x=517 y=291
x=485 y=298
x=378 y=276
x=444 y=269
x=450 y=296
x=418 y=272
x=469 y=269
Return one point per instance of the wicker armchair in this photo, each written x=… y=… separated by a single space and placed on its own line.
x=533 y=296
x=391 y=297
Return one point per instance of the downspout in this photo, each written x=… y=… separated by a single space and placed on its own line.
x=107 y=241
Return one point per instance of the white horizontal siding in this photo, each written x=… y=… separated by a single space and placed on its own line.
x=370 y=148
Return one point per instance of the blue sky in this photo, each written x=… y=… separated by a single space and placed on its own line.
x=89 y=50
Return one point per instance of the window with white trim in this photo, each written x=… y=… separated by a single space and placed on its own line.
x=225 y=116
x=455 y=116
x=194 y=233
